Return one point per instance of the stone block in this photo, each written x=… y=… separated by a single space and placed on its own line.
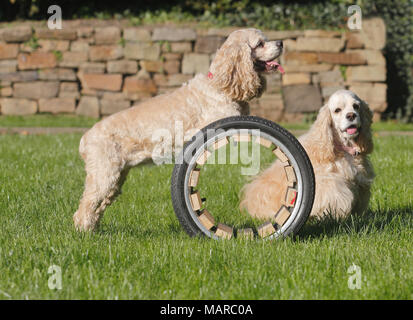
x=53 y=45
x=195 y=63
x=173 y=34
x=143 y=74
x=57 y=34
x=20 y=76
x=289 y=45
x=7 y=66
x=135 y=88
x=88 y=107
x=321 y=34
x=178 y=47
x=142 y=51
x=374 y=33
x=92 y=67
x=84 y=32
x=173 y=80
x=72 y=59
x=171 y=56
x=137 y=34
x=122 y=66
x=151 y=66
x=301 y=98
x=320 y=44
x=36 y=60
x=223 y=32
x=208 y=44
x=299 y=58
x=6 y=91
x=273 y=82
x=354 y=40
x=57 y=74
x=366 y=74
x=296 y=78
x=269 y=106
x=106 y=52
x=281 y=35
x=320 y=67
x=326 y=92
x=36 y=89
x=112 y=106
x=110 y=82
x=113 y=95
x=57 y=105
x=69 y=90
x=372 y=57
x=327 y=78
x=19 y=107
x=342 y=58
x=8 y=51
x=79 y=46
x=107 y=35
x=17 y=34
x=172 y=66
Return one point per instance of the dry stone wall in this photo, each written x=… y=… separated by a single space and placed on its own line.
x=99 y=68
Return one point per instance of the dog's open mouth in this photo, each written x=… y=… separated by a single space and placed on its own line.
x=352 y=130
x=269 y=66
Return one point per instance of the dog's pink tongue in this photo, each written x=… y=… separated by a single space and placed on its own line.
x=351 y=130
x=276 y=65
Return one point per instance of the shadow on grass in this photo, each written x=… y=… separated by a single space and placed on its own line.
x=368 y=223
x=373 y=221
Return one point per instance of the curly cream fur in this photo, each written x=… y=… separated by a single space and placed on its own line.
x=342 y=180
x=123 y=140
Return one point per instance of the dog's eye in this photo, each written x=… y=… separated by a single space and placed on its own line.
x=337 y=110
x=356 y=106
x=260 y=44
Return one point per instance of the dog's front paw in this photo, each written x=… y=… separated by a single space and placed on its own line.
x=83 y=223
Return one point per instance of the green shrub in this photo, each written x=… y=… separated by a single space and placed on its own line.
x=398 y=16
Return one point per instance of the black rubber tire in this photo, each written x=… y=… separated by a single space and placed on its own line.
x=243 y=122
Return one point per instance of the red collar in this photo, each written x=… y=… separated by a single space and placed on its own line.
x=210 y=75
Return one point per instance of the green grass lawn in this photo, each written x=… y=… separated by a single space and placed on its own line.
x=141 y=251
x=49 y=120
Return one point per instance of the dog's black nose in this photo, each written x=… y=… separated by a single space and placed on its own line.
x=351 y=116
x=279 y=43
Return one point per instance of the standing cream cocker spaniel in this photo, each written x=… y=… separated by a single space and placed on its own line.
x=338 y=145
x=123 y=140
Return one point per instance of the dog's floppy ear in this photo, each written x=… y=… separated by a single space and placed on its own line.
x=364 y=140
x=322 y=137
x=233 y=71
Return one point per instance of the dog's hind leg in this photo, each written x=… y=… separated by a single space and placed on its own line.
x=332 y=197
x=104 y=180
x=105 y=173
x=100 y=191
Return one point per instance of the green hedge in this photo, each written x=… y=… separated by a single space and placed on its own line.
x=266 y=14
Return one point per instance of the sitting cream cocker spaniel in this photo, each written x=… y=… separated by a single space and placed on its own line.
x=114 y=145
x=337 y=144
